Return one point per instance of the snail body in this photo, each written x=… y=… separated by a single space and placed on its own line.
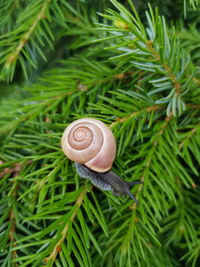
x=107 y=181
x=91 y=145
x=94 y=177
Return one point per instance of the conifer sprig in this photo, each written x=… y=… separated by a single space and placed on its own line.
x=139 y=78
x=150 y=49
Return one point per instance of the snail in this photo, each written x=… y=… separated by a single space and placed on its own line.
x=92 y=146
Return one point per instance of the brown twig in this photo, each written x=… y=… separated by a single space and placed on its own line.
x=13 y=57
x=169 y=73
x=58 y=247
x=123 y=119
x=194 y=106
x=15 y=169
x=148 y=163
x=192 y=132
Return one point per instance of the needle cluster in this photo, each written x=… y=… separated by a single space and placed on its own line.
x=124 y=63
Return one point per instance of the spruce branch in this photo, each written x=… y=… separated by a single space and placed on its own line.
x=57 y=249
x=12 y=216
x=189 y=148
x=124 y=119
x=126 y=241
x=189 y=135
x=7 y=14
x=166 y=67
x=137 y=75
x=20 y=42
x=152 y=50
x=25 y=38
x=32 y=37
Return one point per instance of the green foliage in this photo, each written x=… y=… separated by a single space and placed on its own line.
x=138 y=75
x=193 y=3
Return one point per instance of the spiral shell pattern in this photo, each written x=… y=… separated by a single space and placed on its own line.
x=90 y=142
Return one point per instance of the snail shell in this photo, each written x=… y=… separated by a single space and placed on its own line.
x=90 y=142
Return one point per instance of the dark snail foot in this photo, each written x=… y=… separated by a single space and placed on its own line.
x=129 y=192
x=132 y=196
x=135 y=182
x=107 y=181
